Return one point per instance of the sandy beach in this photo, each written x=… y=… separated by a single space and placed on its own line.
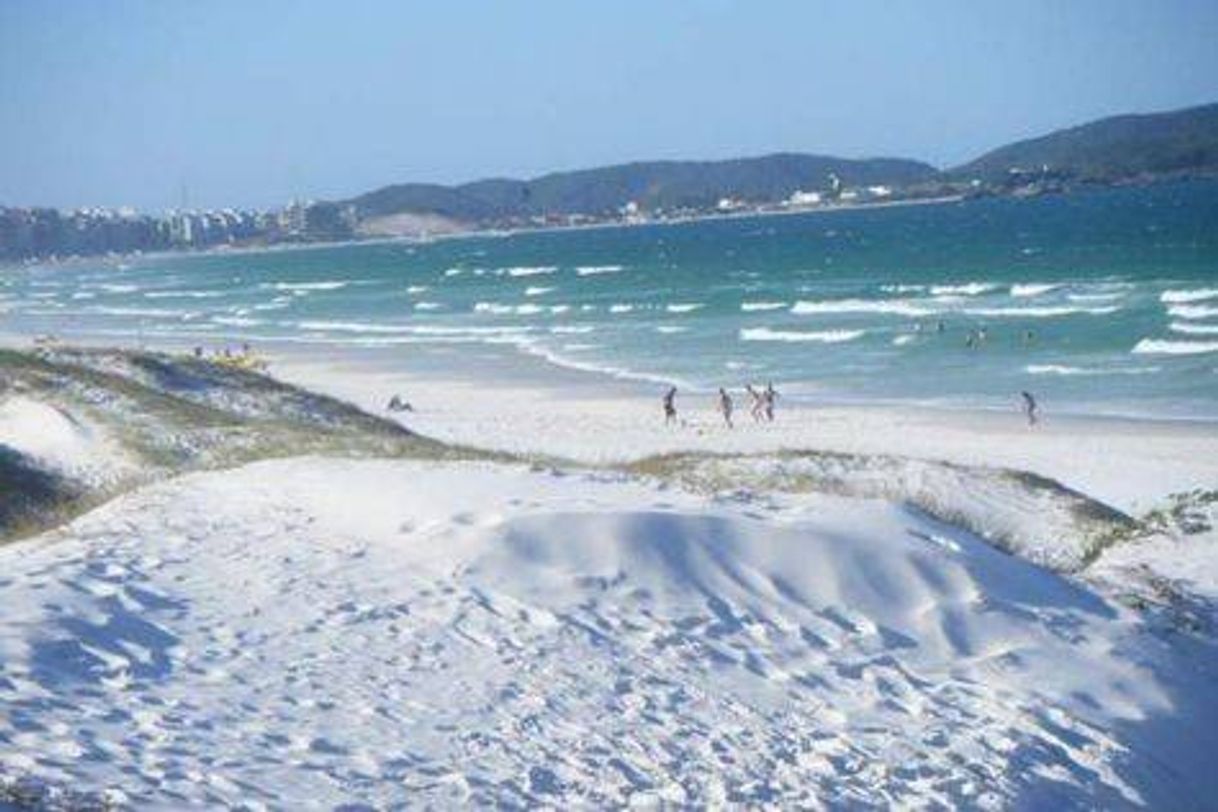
x=338 y=624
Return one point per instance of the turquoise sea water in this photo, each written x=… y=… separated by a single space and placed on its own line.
x=1099 y=302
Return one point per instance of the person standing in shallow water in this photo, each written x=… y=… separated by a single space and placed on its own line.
x=725 y=406
x=758 y=403
x=1029 y=407
x=767 y=398
x=670 y=408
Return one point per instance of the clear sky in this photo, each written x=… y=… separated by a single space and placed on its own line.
x=252 y=103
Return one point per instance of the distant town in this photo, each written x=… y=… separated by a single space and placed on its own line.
x=47 y=233
x=1121 y=149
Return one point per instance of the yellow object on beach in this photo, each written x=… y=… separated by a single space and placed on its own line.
x=247 y=361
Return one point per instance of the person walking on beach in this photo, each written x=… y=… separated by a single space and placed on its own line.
x=1029 y=407
x=757 y=408
x=725 y=406
x=767 y=398
x=670 y=409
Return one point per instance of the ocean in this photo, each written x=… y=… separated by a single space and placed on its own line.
x=1100 y=302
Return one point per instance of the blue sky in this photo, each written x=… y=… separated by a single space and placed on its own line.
x=253 y=103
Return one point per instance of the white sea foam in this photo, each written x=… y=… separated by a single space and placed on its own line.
x=524 y=270
x=237 y=321
x=116 y=288
x=562 y=308
x=1185 y=311
x=1198 y=295
x=148 y=312
x=335 y=284
x=967 y=289
x=1194 y=329
x=184 y=294
x=572 y=329
x=751 y=307
x=1095 y=297
x=1064 y=369
x=537 y=291
x=902 y=288
x=493 y=308
x=528 y=309
x=669 y=329
x=454 y=272
x=1033 y=288
x=902 y=340
x=417 y=288
x=823 y=337
x=594 y=270
x=898 y=307
x=1044 y=312
x=351 y=327
x=621 y=308
x=1154 y=346
x=684 y=308
x=428 y=306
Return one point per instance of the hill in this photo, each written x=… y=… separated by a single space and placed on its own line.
x=1114 y=148
x=653 y=185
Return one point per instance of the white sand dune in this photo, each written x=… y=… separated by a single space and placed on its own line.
x=312 y=632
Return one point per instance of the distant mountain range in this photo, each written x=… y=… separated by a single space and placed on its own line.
x=1112 y=149
x=1109 y=150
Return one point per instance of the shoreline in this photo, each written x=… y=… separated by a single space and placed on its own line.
x=487 y=233
x=497 y=399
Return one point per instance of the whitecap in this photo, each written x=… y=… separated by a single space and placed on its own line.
x=890 y=306
x=237 y=321
x=184 y=294
x=454 y=272
x=1039 y=312
x=562 y=308
x=593 y=270
x=527 y=270
x=823 y=337
x=967 y=289
x=621 y=308
x=670 y=329
x=750 y=307
x=1194 y=329
x=537 y=291
x=1154 y=346
x=417 y=288
x=684 y=308
x=1064 y=369
x=351 y=327
x=297 y=287
x=1193 y=311
x=901 y=341
x=428 y=306
x=1033 y=288
x=1179 y=296
x=573 y=329
x=528 y=309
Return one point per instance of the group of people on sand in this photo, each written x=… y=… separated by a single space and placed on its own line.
x=761 y=408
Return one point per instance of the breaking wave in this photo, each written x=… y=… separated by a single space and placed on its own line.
x=823 y=336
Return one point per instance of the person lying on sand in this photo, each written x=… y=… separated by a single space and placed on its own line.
x=670 y=409
x=725 y=406
x=1029 y=407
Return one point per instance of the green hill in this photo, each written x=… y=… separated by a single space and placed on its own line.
x=1114 y=148
x=653 y=185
